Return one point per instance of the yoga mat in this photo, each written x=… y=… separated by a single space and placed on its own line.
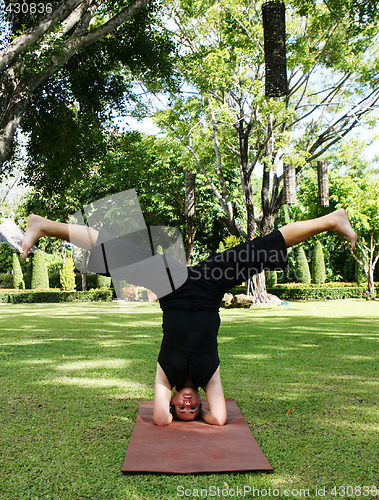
x=193 y=447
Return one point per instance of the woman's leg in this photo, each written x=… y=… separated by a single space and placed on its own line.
x=337 y=221
x=81 y=236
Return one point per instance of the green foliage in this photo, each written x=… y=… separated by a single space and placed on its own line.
x=302 y=272
x=155 y=167
x=54 y=261
x=73 y=107
x=27 y=269
x=30 y=296
x=318 y=264
x=103 y=281
x=6 y=280
x=67 y=275
x=40 y=277
x=271 y=278
x=18 y=278
x=329 y=291
x=91 y=281
x=229 y=241
x=5 y=258
x=359 y=275
x=54 y=279
x=225 y=68
x=358 y=195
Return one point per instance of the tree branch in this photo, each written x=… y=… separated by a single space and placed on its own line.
x=75 y=43
x=113 y=23
x=35 y=33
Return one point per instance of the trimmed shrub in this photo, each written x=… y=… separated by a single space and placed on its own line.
x=318 y=265
x=54 y=296
x=327 y=291
x=18 y=278
x=40 y=277
x=67 y=275
x=303 y=274
x=271 y=278
x=103 y=281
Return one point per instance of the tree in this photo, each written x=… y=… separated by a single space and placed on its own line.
x=67 y=275
x=363 y=209
x=62 y=38
x=303 y=274
x=318 y=264
x=40 y=277
x=18 y=279
x=155 y=167
x=224 y=119
x=358 y=193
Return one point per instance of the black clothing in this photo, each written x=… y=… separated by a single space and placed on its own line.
x=209 y=280
x=189 y=346
x=190 y=313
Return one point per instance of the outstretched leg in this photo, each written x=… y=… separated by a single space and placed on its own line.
x=337 y=221
x=81 y=236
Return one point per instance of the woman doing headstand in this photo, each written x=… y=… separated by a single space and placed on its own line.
x=188 y=358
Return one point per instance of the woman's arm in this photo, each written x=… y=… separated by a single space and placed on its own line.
x=162 y=398
x=216 y=400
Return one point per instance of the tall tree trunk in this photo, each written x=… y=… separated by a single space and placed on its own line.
x=323 y=183
x=370 y=282
x=289 y=184
x=190 y=201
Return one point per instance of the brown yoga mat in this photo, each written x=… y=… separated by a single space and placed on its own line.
x=193 y=447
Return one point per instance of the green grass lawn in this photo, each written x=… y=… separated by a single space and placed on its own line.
x=73 y=375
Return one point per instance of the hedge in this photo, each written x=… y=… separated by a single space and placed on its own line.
x=32 y=296
x=303 y=291
x=330 y=291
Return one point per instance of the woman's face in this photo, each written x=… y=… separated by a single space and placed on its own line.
x=187 y=402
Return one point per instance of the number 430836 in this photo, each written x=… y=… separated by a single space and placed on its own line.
x=29 y=8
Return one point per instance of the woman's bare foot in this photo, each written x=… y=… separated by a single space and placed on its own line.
x=34 y=231
x=341 y=225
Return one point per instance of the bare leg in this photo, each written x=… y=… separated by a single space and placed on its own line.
x=337 y=221
x=82 y=236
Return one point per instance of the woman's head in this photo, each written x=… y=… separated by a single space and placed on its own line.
x=186 y=404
